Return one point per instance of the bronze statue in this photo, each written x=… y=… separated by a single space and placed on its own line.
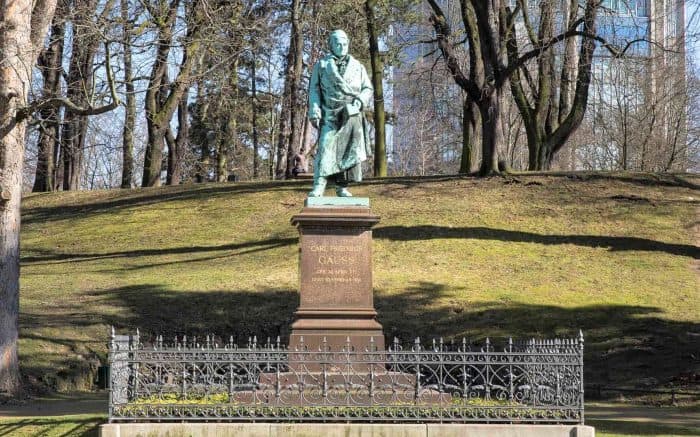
x=339 y=91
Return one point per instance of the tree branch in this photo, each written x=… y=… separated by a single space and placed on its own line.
x=58 y=102
x=442 y=31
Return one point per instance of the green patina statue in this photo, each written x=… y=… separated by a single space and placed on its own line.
x=339 y=90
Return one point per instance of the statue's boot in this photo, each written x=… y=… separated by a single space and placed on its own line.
x=319 y=187
x=342 y=192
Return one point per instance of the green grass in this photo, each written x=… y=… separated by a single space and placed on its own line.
x=542 y=255
x=608 y=428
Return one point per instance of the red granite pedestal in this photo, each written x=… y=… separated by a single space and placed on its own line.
x=335 y=266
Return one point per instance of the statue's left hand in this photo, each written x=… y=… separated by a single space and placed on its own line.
x=357 y=103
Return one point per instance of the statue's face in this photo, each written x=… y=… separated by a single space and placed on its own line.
x=339 y=45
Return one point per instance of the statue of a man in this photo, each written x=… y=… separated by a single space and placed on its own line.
x=339 y=90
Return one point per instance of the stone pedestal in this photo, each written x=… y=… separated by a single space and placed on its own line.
x=335 y=265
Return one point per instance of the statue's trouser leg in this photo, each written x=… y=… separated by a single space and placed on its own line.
x=319 y=181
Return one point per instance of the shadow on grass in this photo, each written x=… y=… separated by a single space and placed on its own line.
x=629 y=428
x=625 y=345
x=251 y=246
x=429 y=232
x=395 y=233
x=59 y=426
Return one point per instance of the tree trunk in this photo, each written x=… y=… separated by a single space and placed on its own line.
x=539 y=155
x=254 y=116
x=222 y=154
x=50 y=66
x=568 y=71
x=130 y=109
x=380 y=161
x=297 y=116
x=156 y=119
x=470 y=114
x=491 y=132
x=21 y=39
x=200 y=115
x=176 y=150
x=285 y=140
x=226 y=143
x=11 y=157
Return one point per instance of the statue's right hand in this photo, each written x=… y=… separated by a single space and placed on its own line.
x=314 y=122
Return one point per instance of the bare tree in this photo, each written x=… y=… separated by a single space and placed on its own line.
x=550 y=117
x=162 y=97
x=50 y=65
x=492 y=56
x=80 y=85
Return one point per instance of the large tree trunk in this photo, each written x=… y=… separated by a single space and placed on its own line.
x=380 y=161
x=539 y=155
x=23 y=26
x=176 y=148
x=130 y=109
x=470 y=117
x=491 y=132
x=49 y=134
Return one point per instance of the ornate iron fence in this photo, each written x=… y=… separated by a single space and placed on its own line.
x=535 y=381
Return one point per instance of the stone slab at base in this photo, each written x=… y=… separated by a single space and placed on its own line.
x=339 y=430
x=336 y=201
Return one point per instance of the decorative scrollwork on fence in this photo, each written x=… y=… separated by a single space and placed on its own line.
x=523 y=382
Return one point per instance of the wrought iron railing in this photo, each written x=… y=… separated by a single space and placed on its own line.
x=535 y=381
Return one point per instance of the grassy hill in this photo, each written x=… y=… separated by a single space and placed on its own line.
x=536 y=255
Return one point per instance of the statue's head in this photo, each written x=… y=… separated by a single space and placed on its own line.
x=338 y=42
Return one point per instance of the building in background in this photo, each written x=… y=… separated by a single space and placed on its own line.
x=636 y=118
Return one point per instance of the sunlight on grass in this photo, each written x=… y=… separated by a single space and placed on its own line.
x=86 y=425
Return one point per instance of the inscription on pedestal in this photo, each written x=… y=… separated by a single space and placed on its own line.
x=336 y=268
